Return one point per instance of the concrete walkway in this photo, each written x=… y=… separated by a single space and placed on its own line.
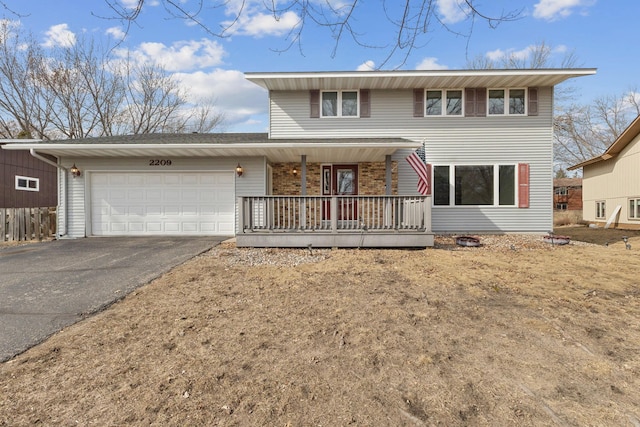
x=45 y=287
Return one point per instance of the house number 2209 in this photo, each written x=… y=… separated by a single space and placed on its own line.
x=159 y=162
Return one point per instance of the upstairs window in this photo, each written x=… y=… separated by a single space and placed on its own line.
x=340 y=104
x=562 y=191
x=26 y=183
x=506 y=102
x=443 y=103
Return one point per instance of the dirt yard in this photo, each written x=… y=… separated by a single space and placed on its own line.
x=516 y=332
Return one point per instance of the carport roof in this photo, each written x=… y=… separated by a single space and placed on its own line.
x=221 y=145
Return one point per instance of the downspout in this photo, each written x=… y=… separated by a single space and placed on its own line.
x=60 y=231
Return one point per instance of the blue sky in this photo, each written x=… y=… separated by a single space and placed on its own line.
x=600 y=33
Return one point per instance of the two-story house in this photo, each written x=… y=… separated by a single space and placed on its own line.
x=333 y=169
x=567 y=194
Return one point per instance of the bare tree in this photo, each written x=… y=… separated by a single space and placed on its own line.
x=80 y=91
x=583 y=132
x=410 y=21
x=22 y=105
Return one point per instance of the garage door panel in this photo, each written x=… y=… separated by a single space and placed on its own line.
x=141 y=203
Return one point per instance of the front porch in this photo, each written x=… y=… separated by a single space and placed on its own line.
x=335 y=221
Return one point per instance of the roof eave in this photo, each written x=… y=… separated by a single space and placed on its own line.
x=404 y=79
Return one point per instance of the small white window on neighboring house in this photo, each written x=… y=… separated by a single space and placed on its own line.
x=634 y=209
x=562 y=191
x=600 y=209
x=27 y=184
x=561 y=206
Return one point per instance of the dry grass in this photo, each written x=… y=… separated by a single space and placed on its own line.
x=529 y=336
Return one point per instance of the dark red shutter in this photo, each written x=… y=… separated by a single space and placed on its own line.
x=314 y=104
x=481 y=102
x=418 y=103
x=365 y=104
x=533 y=101
x=523 y=185
x=470 y=102
x=429 y=180
x=475 y=102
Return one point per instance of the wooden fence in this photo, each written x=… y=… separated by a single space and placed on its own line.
x=20 y=224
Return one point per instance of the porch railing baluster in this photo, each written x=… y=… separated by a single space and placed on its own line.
x=335 y=213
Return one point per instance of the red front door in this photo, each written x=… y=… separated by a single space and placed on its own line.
x=341 y=180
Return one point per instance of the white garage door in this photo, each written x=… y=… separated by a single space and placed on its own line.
x=170 y=203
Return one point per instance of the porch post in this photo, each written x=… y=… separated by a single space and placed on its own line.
x=303 y=191
x=388 y=178
x=303 y=175
x=388 y=190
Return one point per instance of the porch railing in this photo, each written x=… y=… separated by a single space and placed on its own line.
x=335 y=213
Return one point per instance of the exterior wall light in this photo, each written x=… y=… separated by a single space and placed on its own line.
x=294 y=171
x=75 y=171
x=239 y=170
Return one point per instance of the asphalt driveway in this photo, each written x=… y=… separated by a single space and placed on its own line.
x=47 y=286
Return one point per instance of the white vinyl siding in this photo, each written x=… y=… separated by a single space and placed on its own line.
x=460 y=140
x=77 y=203
x=495 y=140
x=391 y=116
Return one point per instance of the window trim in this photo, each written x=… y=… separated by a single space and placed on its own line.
x=28 y=179
x=443 y=103
x=636 y=214
x=601 y=208
x=507 y=98
x=561 y=206
x=339 y=103
x=496 y=185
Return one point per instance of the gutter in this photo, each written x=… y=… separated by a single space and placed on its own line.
x=60 y=231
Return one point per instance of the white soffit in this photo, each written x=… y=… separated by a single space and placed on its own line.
x=416 y=79
x=275 y=152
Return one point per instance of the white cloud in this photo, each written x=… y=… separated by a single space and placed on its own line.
x=181 y=55
x=239 y=99
x=453 y=11
x=60 y=35
x=520 y=55
x=116 y=33
x=263 y=24
x=430 y=63
x=367 y=66
x=552 y=10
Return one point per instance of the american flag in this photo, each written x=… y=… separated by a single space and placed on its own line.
x=417 y=162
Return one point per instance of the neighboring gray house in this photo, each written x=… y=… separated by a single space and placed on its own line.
x=332 y=170
x=611 y=182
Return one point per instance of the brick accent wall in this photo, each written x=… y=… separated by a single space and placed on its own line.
x=371 y=179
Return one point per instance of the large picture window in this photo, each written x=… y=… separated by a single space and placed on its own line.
x=474 y=185
x=506 y=102
x=340 y=104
